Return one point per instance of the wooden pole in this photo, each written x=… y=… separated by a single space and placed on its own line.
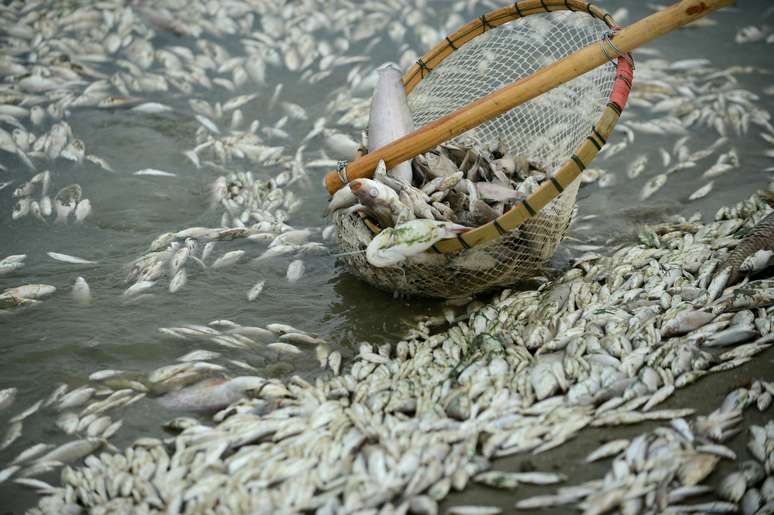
x=516 y=93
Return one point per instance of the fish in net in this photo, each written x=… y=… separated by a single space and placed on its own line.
x=549 y=131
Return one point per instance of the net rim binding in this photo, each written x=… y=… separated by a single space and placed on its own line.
x=553 y=186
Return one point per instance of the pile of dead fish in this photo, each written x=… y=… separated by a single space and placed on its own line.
x=455 y=183
x=67 y=201
x=401 y=427
x=458 y=186
x=679 y=97
x=254 y=211
x=752 y=486
x=660 y=471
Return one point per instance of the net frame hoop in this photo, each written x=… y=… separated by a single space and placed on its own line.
x=556 y=183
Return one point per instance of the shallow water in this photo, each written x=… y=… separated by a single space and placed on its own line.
x=59 y=341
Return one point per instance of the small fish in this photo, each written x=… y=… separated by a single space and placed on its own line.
x=279 y=250
x=666 y=158
x=343 y=198
x=178 y=281
x=380 y=199
x=609 y=449
x=637 y=166
x=65 y=258
x=702 y=192
x=284 y=348
x=82 y=210
x=340 y=145
x=32 y=452
x=717 y=169
x=21 y=209
x=199 y=355
x=473 y=510
x=46 y=207
x=26 y=413
x=756 y=262
x=138 y=287
x=228 y=259
x=152 y=108
x=208 y=124
x=11 y=435
x=154 y=173
x=652 y=186
x=72 y=451
x=7 y=396
x=255 y=290
x=295 y=270
x=81 y=291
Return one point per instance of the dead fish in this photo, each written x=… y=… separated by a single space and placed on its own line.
x=255 y=290
x=81 y=291
x=138 y=288
x=685 y=322
x=756 y=262
x=154 y=173
x=470 y=510
x=199 y=355
x=29 y=291
x=380 y=199
x=228 y=259
x=66 y=201
x=390 y=118
x=7 y=396
x=497 y=193
x=178 y=281
x=65 y=258
x=284 y=348
x=82 y=210
x=211 y=394
x=279 y=329
x=31 y=452
x=295 y=270
x=72 y=451
x=340 y=145
x=21 y=209
x=652 y=186
x=760 y=238
x=702 y=192
x=11 y=435
x=609 y=449
x=76 y=398
x=637 y=166
x=343 y=198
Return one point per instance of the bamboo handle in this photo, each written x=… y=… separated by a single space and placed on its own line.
x=522 y=90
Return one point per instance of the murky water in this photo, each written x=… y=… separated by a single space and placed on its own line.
x=59 y=341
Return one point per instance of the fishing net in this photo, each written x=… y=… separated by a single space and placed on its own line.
x=547 y=130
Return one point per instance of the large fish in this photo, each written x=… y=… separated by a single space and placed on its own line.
x=390 y=118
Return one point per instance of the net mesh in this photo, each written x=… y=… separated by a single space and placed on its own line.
x=546 y=130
